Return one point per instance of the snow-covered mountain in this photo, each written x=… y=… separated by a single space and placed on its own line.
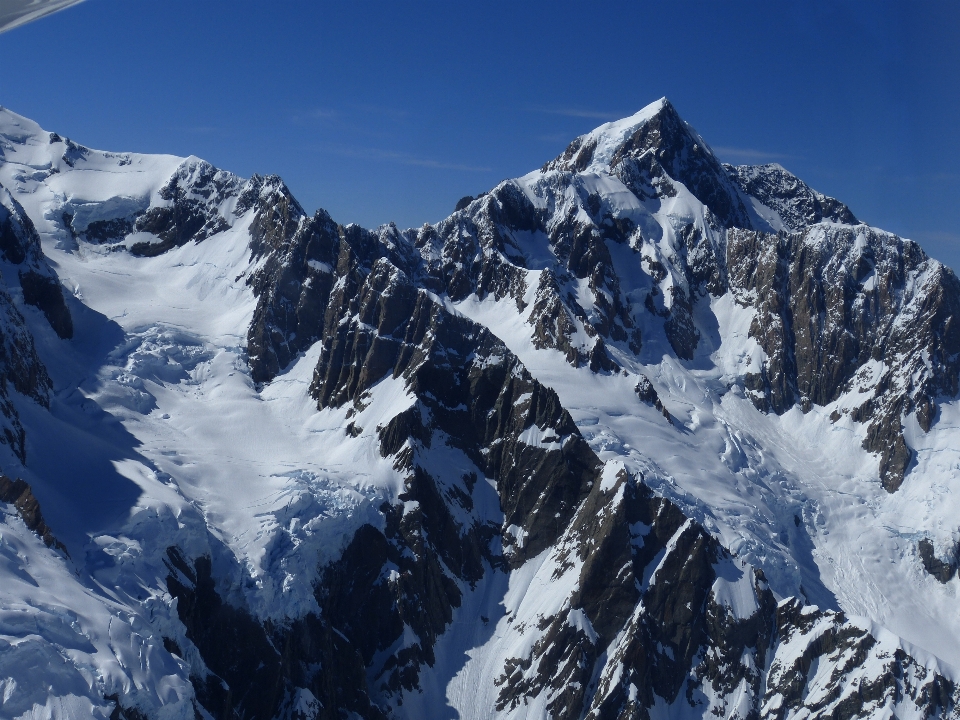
x=636 y=435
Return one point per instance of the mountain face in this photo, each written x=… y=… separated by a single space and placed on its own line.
x=636 y=435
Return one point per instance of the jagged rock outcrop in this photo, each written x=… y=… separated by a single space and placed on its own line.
x=469 y=386
x=295 y=280
x=256 y=670
x=646 y=392
x=796 y=203
x=942 y=569
x=18 y=493
x=194 y=197
x=20 y=366
x=20 y=246
x=870 y=673
x=21 y=369
x=850 y=310
x=472 y=396
x=687 y=626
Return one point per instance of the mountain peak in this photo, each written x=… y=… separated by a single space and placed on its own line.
x=596 y=150
x=795 y=203
x=649 y=152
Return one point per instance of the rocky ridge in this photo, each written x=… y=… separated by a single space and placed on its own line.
x=39 y=286
x=831 y=297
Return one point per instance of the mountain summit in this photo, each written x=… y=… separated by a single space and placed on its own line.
x=649 y=152
x=636 y=435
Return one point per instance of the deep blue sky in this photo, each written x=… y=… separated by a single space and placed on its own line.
x=382 y=111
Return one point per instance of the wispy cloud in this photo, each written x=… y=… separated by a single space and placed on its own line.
x=578 y=113
x=932 y=177
x=385 y=110
x=205 y=130
x=748 y=155
x=936 y=236
x=555 y=138
x=312 y=115
x=349 y=113
x=377 y=154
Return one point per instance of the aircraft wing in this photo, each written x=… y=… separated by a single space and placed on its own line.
x=18 y=12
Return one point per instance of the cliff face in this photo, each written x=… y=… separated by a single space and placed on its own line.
x=20 y=366
x=849 y=311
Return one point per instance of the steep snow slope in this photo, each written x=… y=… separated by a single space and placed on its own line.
x=170 y=365
x=155 y=428
x=480 y=468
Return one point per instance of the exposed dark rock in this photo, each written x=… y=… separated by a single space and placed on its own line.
x=124 y=713
x=666 y=149
x=679 y=327
x=18 y=493
x=373 y=607
x=253 y=667
x=15 y=230
x=21 y=369
x=942 y=570
x=553 y=324
x=73 y=153
x=797 y=204
x=648 y=394
x=45 y=293
x=705 y=261
x=598 y=360
x=660 y=644
x=118 y=218
x=684 y=159
x=19 y=241
x=20 y=366
x=847 y=647
x=608 y=592
x=304 y=258
x=112 y=230
x=470 y=384
x=576 y=157
x=293 y=287
x=841 y=308
x=20 y=245
x=194 y=193
x=467 y=252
